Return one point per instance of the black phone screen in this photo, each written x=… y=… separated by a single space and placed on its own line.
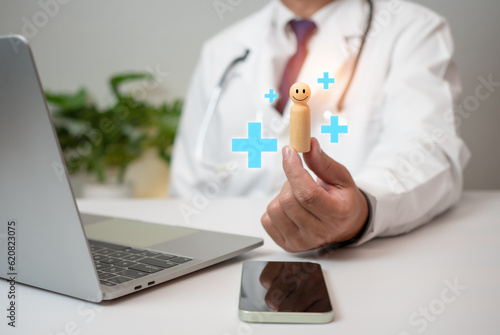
x=271 y=288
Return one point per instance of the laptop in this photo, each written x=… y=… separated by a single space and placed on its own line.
x=56 y=247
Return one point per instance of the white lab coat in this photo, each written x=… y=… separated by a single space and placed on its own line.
x=402 y=147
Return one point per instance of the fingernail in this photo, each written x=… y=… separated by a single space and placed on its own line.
x=286 y=152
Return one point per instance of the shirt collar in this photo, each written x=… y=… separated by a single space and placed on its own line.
x=325 y=13
x=282 y=15
x=347 y=16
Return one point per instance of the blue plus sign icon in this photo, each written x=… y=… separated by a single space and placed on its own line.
x=334 y=129
x=271 y=95
x=326 y=81
x=254 y=145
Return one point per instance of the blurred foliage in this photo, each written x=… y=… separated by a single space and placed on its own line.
x=95 y=140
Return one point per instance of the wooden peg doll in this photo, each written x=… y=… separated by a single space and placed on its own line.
x=300 y=118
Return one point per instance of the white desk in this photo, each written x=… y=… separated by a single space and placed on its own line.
x=375 y=288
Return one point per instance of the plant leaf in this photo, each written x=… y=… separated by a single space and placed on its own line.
x=117 y=80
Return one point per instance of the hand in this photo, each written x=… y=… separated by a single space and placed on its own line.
x=306 y=214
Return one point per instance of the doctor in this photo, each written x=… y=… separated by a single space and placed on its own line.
x=396 y=88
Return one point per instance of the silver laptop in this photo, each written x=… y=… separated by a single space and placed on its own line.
x=56 y=247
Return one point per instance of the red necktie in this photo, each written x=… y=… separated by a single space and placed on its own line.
x=303 y=29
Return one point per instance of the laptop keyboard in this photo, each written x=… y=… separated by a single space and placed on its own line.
x=118 y=264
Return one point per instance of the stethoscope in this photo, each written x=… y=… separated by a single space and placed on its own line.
x=214 y=99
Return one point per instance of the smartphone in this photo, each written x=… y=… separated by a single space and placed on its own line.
x=284 y=292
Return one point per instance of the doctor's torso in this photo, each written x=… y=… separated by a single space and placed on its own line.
x=332 y=49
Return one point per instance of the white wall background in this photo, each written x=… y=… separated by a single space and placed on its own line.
x=82 y=42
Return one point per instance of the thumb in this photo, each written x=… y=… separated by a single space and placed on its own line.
x=300 y=180
x=325 y=167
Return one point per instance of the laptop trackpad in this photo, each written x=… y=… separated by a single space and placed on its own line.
x=133 y=233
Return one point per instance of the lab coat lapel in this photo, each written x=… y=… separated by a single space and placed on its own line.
x=332 y=50
x=260 y=77
x=351 y=26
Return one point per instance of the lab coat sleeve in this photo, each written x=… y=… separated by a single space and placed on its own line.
x=184 y=168
x=415 y=170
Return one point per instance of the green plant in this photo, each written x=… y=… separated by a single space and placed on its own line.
x=97 y=140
